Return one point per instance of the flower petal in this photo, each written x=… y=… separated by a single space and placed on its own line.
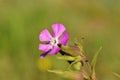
x=45 y=35
x=58 y=29
x=45 y=47
x=44 y=54
x=63 y=40
x=54 y=50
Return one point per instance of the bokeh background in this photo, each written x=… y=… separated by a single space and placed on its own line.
x=21 y=21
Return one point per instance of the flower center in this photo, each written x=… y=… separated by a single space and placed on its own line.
x=54 y=41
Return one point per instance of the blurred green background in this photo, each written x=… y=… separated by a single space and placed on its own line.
x=21 y=21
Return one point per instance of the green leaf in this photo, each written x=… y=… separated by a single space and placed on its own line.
x=77 y=66
x=93 y=63
x=70 y=58
x=72 y=75
x=116 y=74
x=71 y=50
x=56 y=72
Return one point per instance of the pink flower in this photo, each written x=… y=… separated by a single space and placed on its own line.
x=52 y=40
